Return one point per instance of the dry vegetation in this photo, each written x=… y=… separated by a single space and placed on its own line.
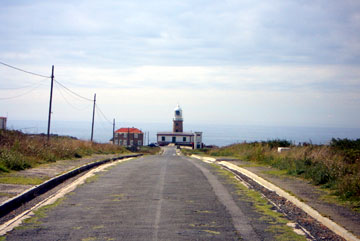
x=19 y=151
x=335 y=166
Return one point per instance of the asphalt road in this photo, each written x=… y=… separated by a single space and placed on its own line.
x=162 y=197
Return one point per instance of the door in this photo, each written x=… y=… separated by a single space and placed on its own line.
x=173 y=139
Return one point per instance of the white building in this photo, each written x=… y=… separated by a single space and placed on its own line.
x=177 y=136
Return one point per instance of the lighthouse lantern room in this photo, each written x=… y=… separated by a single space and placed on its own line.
x=178 y=120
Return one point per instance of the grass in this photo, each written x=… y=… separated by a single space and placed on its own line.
x=13 y=179
x=34 y=221
x=147 y=150
x=335 y=166
x=277 y=221
x=93 y=178
x=19 y=151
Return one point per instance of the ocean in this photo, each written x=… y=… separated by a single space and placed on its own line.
x=220 y=135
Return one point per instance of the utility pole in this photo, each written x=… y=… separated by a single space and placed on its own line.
x=144 y=140
x=93 y=118
x=50 y=105
x=114 y=131
x=148 y=136
x=128 y=137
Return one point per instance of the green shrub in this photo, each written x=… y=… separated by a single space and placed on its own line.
x=345 y=144
x=19 y=151
x=336 y=166
x=13 y=160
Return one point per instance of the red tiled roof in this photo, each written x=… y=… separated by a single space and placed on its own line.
x=128 y=130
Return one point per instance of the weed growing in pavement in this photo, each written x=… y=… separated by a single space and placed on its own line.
x=335 y=166
x=93 y=178
x=34 y=221
x=19 y=151
x=277 y=221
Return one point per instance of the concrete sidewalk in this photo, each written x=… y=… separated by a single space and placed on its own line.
x=44 y=172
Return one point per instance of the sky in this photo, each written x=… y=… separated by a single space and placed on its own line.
x=293 y=63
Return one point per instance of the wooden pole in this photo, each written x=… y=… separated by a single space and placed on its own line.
x=50 y=104
x=114 y=131
x=93 y=118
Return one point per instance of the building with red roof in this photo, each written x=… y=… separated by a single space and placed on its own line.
x=129 y=137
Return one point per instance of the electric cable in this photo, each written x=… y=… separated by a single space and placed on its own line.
x=25 y=71
x=24 y=87
x=20 y=95
x=102 y=113
x=68 y=102
x=74 y=93
x=101 y=122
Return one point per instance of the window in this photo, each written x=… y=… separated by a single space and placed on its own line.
x=184 y=139
x=131 y=142
x=177 y=112
x=125 y=135
x=139 y=143
x=135 y=135
x=163 y=138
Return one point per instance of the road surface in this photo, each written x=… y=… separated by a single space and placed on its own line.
x=160 y=197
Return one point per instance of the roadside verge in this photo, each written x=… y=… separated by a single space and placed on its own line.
x=15 y=202
x=342 y=232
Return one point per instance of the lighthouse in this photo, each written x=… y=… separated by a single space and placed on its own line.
x=178 y=136
x=178 y=120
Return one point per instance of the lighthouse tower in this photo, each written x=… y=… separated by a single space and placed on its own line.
x=178 y=120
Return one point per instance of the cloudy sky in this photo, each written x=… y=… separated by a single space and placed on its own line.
x=225 y=62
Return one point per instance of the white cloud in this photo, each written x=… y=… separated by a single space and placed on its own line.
x=243 y=55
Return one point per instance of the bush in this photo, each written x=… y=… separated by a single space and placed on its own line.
x=277 y=143
x=345 y=144
x=12 y=160
x=336 y=166
x=19 y=151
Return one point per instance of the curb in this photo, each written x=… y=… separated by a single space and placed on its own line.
x=342 y=232
x=15 y=202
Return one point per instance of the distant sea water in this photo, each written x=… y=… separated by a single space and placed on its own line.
x=220 y=135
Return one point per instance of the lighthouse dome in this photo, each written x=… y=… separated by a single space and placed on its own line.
x=177 y=108
x=178 y=113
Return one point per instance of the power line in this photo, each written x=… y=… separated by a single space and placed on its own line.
x=68 y=102
x=25 y=71
x=102 y=113
x=24 y=87
x=74 y=93
x=105 y=128
x=20 y=95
